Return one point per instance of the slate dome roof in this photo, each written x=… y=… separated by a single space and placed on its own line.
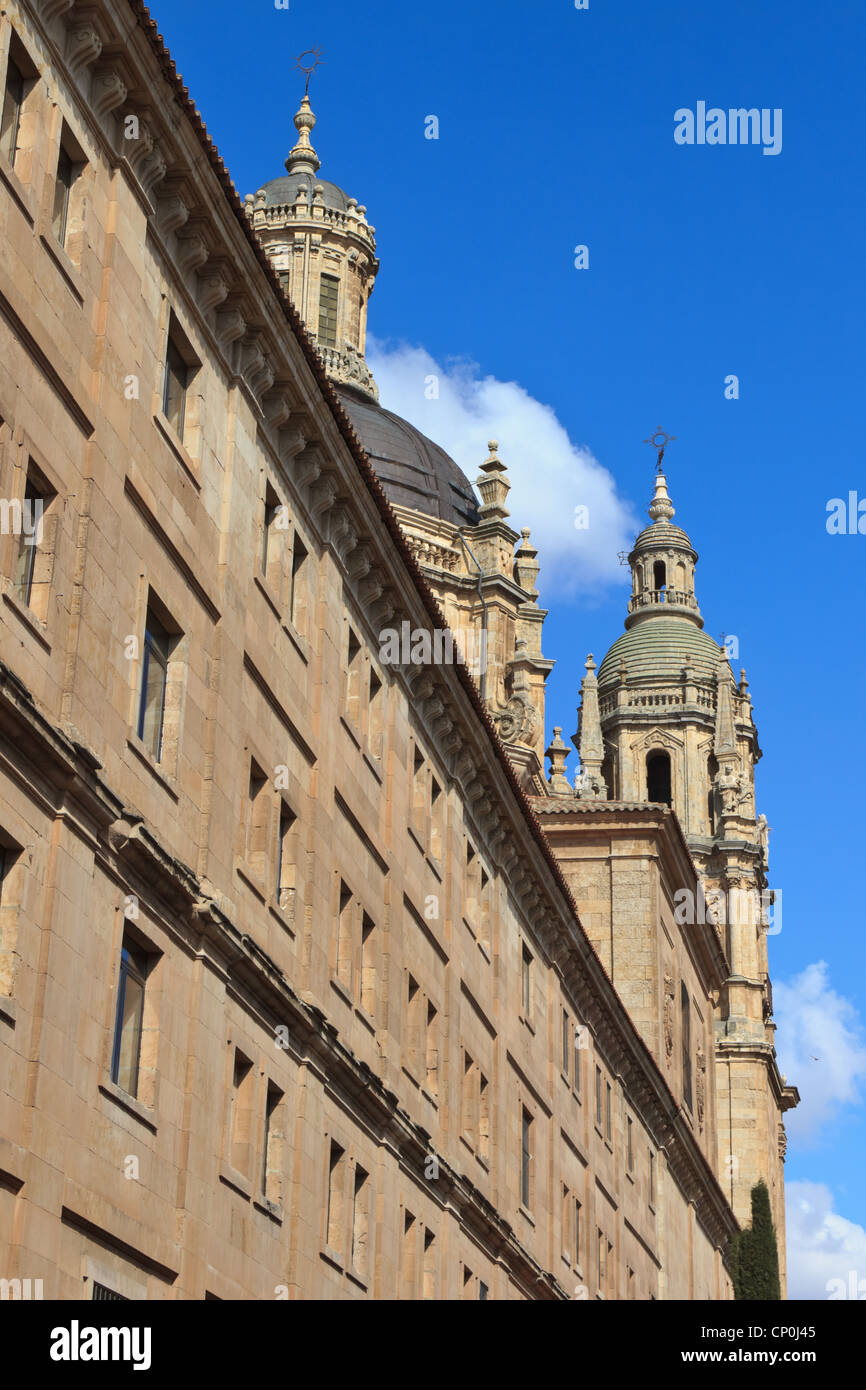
x=413 y=470
x=285 y=189
x=659 y=647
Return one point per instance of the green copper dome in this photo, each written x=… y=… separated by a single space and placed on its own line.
x=659 y=647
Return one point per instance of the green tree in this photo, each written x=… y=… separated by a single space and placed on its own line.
x=755 y=1254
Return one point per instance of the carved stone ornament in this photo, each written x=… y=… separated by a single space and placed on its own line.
x=668 y=1016
x=516 y=720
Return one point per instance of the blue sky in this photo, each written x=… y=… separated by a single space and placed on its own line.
x=556 y=129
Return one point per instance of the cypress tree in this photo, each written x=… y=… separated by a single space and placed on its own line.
x=755 y=1254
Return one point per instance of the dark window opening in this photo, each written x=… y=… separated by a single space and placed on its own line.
x=712 y=773
x=687 y=1045
x=659 y=575
x=13 y=100
x=658 y=778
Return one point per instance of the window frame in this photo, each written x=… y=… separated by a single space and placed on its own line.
x=137 y=971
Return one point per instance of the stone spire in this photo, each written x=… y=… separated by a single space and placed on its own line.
x=661 y=508
x=493 y=485
x=302 y=157
x=725 y=741
x=590 y=783
x=558 y=751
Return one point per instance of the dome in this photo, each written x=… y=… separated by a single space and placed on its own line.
x=663 y=533
x=284 y=190
x=658 y=648
x=413 y=470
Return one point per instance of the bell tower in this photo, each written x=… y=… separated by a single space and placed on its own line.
x=324 y=251
x=670 y=724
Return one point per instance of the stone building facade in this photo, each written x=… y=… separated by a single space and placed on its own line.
x=295 y=1001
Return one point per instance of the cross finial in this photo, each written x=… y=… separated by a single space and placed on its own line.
x=659 y=442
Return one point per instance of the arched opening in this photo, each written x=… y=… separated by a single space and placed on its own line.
x=659 y=576
x=712 y=771
x=658 y=777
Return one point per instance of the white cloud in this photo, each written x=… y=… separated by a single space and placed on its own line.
x=822 y=1246
x=822 y=1050
x=549 y=475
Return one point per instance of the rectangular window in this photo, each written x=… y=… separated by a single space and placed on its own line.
x=482 y=1291
x=430 y=1258
x=241 y=1119
x=64 y=178
x=601 y=1248
x=526 y=1159
x=580 y=1040
x=629 y=1144
x=328 y=298
x=13 y=100
x=360 y=1220
x=126 y=1054
x=368 y=965
x=468 y=1281
x=354 y=664
x=629 y=1282
x=297 y=595
x=285 y=867
x=576 y=1232
x=652 y=1178
x=483 y=1118
x=258 y=817
x=336 y=1196
x=409 y=1254
x=468 y=1098
x=484 y=910
x=566 y=1219
x=272 y=1149
x=158 y=647
x=345 y=936
x=432 y=1067
x=374 y=715
x=35 y=560
x=687 y=1044
x=566 y=1042
x=181 y=365
x=414 y=1004
x=273 y=534
x=608 y=1127
x=599 y=1092
x=526 y=982
x=419 y=795
x=437 y=806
